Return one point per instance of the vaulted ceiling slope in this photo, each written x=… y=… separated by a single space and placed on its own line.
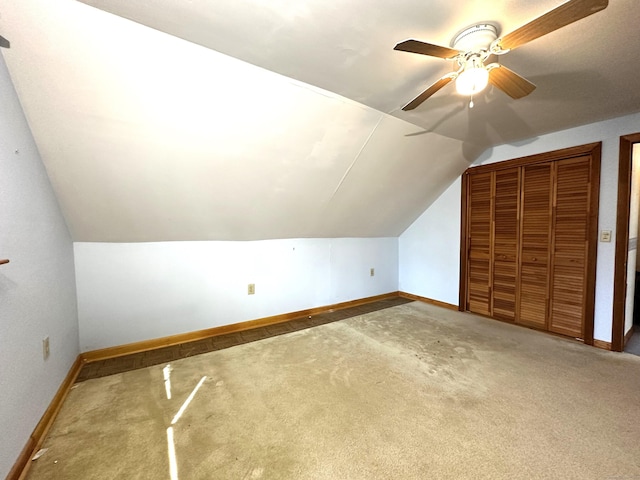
x=252 y=119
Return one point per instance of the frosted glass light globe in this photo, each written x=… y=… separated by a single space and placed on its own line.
x=472 y=80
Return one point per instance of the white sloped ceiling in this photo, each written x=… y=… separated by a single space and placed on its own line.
x=242 y=120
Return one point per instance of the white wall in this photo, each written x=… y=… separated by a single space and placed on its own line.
x=412 y=260
x=129 y=292
x=37 y=289
x=429 y=258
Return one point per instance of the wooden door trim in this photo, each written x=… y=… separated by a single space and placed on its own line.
x=464 y=247
x=492 y=239
x=551 y=258
x=592 y=252
x=622 y=239
x=523 y=178
x=562 y=154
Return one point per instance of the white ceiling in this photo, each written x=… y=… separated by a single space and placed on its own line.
x=288 y=123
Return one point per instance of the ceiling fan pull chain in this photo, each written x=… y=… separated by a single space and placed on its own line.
x=471 y=102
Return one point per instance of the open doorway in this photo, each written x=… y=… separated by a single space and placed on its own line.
x=627 y=262
x=632 y=301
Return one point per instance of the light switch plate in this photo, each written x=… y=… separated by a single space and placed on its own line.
x=605 y=235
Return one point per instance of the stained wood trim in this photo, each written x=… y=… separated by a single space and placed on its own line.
x=22 y=464
x=430 y=301
x=146 y=345
x=492 y=240
x=629 y=334
x=622 y=239
x=561 y=154
x=518 y=243
x=592 y=250
x=551 y=241
x=464 y=247
x=523 y=178
x=602 y=344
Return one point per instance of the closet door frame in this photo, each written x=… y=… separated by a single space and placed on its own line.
x=594 y=151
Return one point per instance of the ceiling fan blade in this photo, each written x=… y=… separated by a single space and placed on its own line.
x=509 y=81
x=416 y=46
x=567 y=13
x=4 y=42
x=428 y=92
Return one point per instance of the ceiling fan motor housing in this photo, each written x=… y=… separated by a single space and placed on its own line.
x=475 y=38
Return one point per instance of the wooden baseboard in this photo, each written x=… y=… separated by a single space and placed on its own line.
x=21 y=466
x=628 y=335
x=146 y=345
x=418 y=298
x=602 y=344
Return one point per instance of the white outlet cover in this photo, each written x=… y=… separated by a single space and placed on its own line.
x=45 y=348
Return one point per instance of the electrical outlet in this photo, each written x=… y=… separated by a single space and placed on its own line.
x=372 y=272
x=251 y=290
x=45 y=348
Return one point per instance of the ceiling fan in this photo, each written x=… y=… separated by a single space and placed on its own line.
x=472 y=47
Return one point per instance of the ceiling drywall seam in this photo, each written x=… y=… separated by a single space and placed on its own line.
x=355 y=159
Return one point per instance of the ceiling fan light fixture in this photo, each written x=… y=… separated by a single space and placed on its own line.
x=473 y=79
x=474 y=45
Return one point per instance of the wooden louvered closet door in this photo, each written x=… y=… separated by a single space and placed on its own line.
x=570 y=247
x=479 y=234
x=535 y=245
x=529 y=240
x=505 y=243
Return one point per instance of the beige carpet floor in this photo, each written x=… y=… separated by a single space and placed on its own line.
x=410 y=392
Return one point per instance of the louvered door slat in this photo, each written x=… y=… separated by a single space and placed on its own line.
x=534 y=245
